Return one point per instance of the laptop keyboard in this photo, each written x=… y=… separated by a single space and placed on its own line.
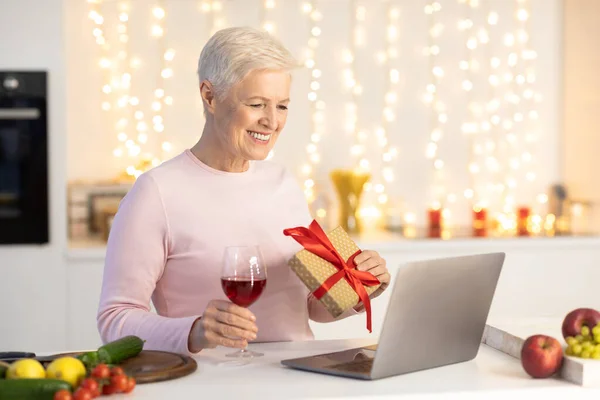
x=361 y=366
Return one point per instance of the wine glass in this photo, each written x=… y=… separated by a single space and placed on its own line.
x=243 y=279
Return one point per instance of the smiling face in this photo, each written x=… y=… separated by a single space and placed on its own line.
x=253 y=113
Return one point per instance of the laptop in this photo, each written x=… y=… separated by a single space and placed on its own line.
x=436 y=316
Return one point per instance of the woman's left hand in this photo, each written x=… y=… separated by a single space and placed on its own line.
x=371 y=261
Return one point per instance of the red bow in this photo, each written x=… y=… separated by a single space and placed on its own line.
x=316 y=241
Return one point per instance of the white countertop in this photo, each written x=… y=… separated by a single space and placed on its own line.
x=490 y=375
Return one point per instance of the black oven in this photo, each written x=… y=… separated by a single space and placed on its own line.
x=23 y=157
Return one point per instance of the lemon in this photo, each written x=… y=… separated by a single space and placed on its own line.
x=25 y=368
x=69 y=369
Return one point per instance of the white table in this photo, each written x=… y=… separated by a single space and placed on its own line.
x=490 y=375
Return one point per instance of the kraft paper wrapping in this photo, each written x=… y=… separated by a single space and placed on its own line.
x=313 y=271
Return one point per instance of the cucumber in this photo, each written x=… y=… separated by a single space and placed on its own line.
x=31 y=389
x=120 y=350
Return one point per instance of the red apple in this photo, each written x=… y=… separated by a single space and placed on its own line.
x=577 y=318
x=541 y=356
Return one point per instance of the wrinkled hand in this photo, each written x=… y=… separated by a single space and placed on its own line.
x=371 y=261
x=222 y=324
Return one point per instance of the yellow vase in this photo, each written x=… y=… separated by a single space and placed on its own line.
x=349 y=186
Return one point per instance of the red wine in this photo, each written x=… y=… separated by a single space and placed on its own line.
x=243 y=291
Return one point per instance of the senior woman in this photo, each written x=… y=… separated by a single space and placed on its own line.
x=168 y=236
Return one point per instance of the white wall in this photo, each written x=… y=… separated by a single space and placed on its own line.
x=33 y=278
x=581 y=131
x=187 y=29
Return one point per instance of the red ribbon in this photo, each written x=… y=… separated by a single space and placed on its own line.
x=316 y=241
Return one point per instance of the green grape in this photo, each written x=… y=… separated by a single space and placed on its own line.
x=571 y=340
x=597 y=338
x=586 y=354
x=587 y=346
x=596 y=355
x=585 y=330
x=579 y=338
x=587 y=338
x=569 y=351
x=596 y=330
x=577 y=349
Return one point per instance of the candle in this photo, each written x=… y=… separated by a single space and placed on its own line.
x=479 y=222
x=522 y=221
x=435 y=222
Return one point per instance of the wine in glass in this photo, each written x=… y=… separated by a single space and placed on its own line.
x=243 y=279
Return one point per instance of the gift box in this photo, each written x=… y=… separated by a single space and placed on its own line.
x=326 y=266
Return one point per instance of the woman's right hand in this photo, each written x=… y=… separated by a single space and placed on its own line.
x=222 y=324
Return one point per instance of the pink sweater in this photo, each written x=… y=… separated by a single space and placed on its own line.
x=167 y=241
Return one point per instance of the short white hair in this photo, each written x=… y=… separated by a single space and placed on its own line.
x=231 y=53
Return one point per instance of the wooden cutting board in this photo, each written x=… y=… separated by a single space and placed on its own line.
x=151 y=366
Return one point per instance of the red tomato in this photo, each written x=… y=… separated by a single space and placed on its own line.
x=120 y=382
x=101 y=371
x=90 y=384
x=130 y=384
x=116 y=371
x=63 y=394
x=109 y=389
x=82 y=394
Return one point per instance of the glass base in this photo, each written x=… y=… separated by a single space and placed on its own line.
x=243 y=353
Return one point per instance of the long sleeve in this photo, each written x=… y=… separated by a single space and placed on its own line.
x=318 y=313
x=136 y=254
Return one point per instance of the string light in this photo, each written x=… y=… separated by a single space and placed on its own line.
x=317 y=105
x=505 y=122
x=215 y=9
x=501 y=116
x=527 y=115
x=119 y=67
x=514 y=123
x=500 y=129
x=218 y=21
x=117 y=72
x=369 y=212
x=476 y=126
x=130 y=125
x=431 y=98
x=489 y=149
x=104 y=62
x=351 y=83
x=269 y=26
x=161 y=98
x=388 y=153
x=205 y=6
x=214 y=21
x=469 y=127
